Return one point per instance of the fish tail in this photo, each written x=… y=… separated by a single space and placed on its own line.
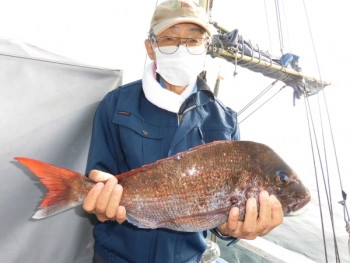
x=62 y=187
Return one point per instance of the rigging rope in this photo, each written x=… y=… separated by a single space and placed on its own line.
x=272 y=84
x=285 y=21
x=257 y=97
x=279 y=25
x=324 y=170
x=327 y=191
x=263 y=104
x=329 y=199
x=268 y=26
x=343 y=202
x=307 y=108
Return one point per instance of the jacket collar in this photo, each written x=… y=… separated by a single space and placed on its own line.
x=200 y=98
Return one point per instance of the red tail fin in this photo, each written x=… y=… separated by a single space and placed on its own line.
x=66 y=189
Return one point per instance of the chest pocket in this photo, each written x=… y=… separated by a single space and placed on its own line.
x=210 y=133
x=220 y=124
x=140 y=141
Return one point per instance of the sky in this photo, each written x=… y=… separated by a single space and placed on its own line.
x=111 y=34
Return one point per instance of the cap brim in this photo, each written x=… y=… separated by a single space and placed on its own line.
x=160 y=27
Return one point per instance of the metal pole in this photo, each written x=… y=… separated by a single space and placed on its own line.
x=204 y=4
x=270 y=65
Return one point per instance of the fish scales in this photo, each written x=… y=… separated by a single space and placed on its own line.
x=187 y=184
x=191 y=191
x=196 y=187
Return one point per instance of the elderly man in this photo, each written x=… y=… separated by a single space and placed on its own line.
x=170 y=110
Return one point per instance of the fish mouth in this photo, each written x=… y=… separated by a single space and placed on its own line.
x=300 y=207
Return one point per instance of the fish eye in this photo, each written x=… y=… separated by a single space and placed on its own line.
x=282 y=179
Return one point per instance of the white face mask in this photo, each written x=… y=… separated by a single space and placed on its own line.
x=180 y=68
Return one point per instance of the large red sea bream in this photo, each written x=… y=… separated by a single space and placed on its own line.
x=191 y=191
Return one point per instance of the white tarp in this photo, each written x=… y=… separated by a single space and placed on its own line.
x=47 y=106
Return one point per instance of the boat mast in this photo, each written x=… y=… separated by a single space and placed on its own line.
x=204 y=4
x=235 y=54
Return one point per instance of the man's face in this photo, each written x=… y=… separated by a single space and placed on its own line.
x=183 y=31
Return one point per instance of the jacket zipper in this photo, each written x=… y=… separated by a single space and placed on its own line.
x=180 y=116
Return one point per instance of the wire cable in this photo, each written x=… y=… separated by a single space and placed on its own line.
x=262 y=104
x=280 y=35
x=257 y=97
x=308 y=110
x=327 y=189
x=285 y=21
x=268 y=25
x=330 y=127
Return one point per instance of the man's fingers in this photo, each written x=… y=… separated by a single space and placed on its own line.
x=99 y=176
x=103 y=199
x=232 y=222
x=121 y=214
x=91 y=198
x=277 y=211
x=270 y=215
x=264 y=220
x=250 y=220
x=111 y=210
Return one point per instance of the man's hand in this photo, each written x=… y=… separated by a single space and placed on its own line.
x=103 y=199
x=270 y=216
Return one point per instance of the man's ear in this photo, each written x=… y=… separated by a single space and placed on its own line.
x=149 y=49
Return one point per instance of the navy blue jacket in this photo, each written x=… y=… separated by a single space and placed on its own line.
x=129 y=132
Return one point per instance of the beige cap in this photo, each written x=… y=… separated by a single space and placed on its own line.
x=173 y=12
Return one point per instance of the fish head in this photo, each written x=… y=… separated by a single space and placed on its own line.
x=279 y=179
x=293 y=195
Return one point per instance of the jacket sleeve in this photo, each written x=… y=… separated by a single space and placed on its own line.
x=104 y=146
x=231 y=240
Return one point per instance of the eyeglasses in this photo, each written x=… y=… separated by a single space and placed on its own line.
x=169 y=45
